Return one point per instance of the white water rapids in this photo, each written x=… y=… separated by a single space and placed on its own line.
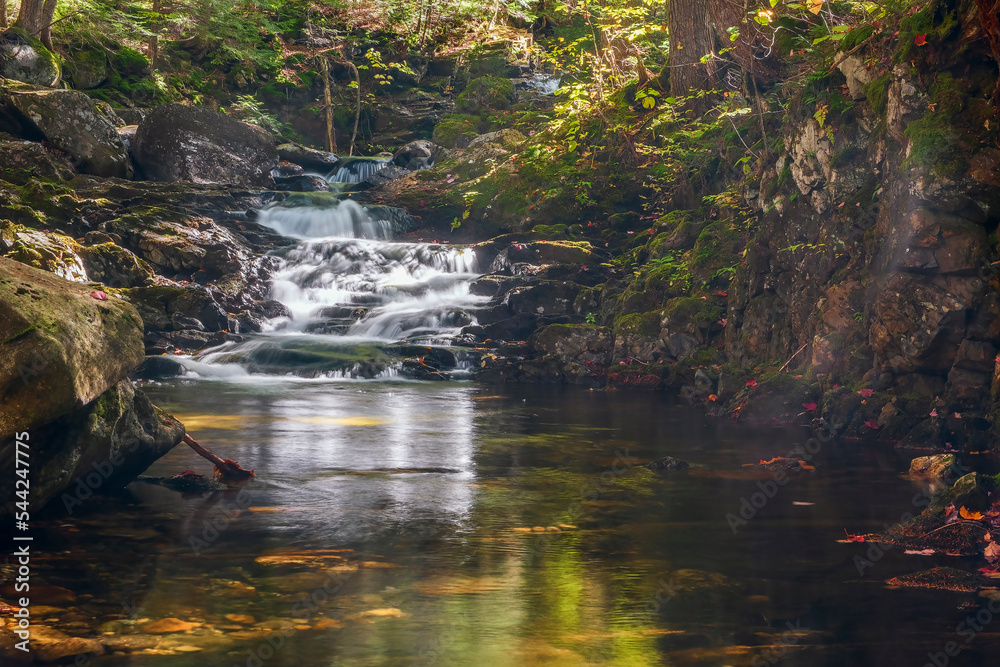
x=348 y=286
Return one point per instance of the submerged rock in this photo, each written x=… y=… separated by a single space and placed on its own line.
x=197 y=144
x=667 y=463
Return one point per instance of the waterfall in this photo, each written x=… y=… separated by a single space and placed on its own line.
x=354 y=295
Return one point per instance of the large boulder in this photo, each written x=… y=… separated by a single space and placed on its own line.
x=24 y=161
x=69 y=121
x=181 y=143
x=24 y=58
x=309 y=158
x=61 y=346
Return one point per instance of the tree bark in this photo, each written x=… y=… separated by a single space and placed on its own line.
x=154 y=40
x=331 y=137
x=357 y=112
x=4 y=21
x=35 y=18
x=690 y=29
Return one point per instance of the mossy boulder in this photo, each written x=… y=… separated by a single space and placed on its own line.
x=88 y=69
x=69 y=121
x=60 y=346
x=25 y=58
x=487 y=93
x=181 y=143
x=456 y=130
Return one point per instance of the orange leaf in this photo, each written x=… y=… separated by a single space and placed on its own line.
x=992 y=552
x=972 y=516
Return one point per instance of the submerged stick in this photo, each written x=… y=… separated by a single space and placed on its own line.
x=226 y=470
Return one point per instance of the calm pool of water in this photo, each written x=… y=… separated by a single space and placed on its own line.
x=402 y=523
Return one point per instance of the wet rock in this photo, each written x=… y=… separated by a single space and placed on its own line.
x=667 y=463
x=115 y=266
x=308 y=157
x=197 y=144
x=935 y=466
x=576 y=354
x=158 y=367
x=301 y=184
x=69 y=121
x=25 y=58
x=381 y=177
x=939 y=578
x=159 y=306
x=287 y=169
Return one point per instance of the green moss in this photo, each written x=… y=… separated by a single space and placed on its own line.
x=936 y=21
x=693 y=309
x=855 y=37
x=935 y=141
x=642 y=324
x=486 y=93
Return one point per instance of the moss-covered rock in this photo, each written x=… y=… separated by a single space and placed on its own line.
x=487 y=93
x=60 y=346
x=24 y=58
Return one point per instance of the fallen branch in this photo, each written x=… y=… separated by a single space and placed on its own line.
x=226 y=470
x=792 y=357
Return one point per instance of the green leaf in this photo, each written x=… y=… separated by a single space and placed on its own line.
x=670 y=100
x=648 y=103
x=820 y=39
x=572 y=145
x=841 y=28
x=773 y=2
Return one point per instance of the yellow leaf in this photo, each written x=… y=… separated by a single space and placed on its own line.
x=815 y=6
x=972 y=516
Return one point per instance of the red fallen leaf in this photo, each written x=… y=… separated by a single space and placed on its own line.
x=866 y=393
x=751 y=383
x=421 y=202
x=934 y=412
x=809 y=406
x=721 y=293
x=798 y=377
x=871 y=423
x=584 y=267
x=851 y=537
x=920 y=40
x=99 y=295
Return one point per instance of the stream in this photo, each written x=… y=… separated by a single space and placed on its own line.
x=400 y=522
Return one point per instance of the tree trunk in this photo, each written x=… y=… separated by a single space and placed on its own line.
x=331 y=137
x=689 y=23
x=357 y=112
x=35 y=18
x=154 y=41
x=3 y=14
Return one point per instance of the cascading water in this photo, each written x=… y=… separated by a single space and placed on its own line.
x=355 y=296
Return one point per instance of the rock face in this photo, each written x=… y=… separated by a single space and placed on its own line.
x=61 y=347
x=24 y=58
x=69 y=121
x=180 y=143
x=307 y=157
x=419 y=154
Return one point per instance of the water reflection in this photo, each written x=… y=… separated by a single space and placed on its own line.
x=452 y=524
